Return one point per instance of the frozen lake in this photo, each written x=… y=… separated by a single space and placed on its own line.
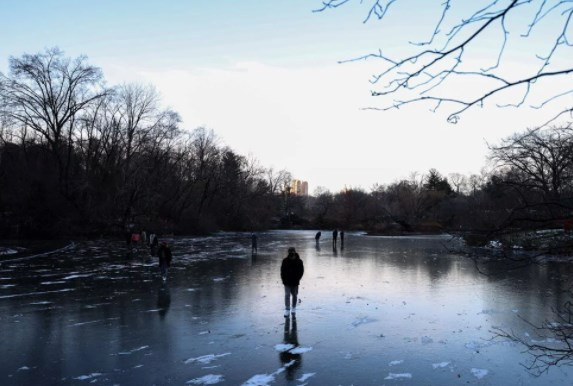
x=382 y=311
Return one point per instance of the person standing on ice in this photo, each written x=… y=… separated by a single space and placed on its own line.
x=164 y=253
x=254 y=248
x=334 y=237
x=292 y=270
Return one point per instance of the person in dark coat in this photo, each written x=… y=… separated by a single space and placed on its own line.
x=292 y=270
x=164 y=253
x=342 y=239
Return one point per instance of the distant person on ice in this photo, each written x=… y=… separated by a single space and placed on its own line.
x=254 y=248
x=292 y=270
x=164 y=253
x=334 y=237
x=342 y=239
x=317 y=236
x=153 y=244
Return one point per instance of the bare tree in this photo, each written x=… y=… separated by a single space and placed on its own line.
x=46 y=91
x=459 y=181
x=439 y=69
x=277 y=180
x=542 y=159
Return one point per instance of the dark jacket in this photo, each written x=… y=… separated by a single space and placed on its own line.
x=292 y=271
x=164 y=254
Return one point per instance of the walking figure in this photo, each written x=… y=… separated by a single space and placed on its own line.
x=292 y=270
x=341 y=239
x=164 y=254
x=334 y=237
x=254 y=248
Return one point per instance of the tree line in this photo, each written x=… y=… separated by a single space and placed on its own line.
x=79 y=157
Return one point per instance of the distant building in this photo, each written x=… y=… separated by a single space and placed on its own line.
x=299 y=188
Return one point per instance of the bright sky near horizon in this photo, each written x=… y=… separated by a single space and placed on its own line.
x=264 y=76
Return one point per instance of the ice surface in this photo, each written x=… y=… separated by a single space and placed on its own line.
x=399 y=376
x=209 y=379
x=206 y=359
x=479 y=373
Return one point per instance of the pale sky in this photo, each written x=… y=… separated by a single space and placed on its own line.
x=264 y=76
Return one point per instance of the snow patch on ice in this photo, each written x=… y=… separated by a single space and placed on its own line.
x=305 y=377
x=132 y=351
x=23 y=368
x=77 y=276
x=90 y=376
x=266 y=379
x=36 y=293
x=399 y=376
x=83 y=323
x=282 y=347
x=206 y=359
x=209 y=379
x=217 y=279
x=479 y=373
x=397 y=362
x=362 y=320
x=426 y=340
x=300 y=350
x=440 y=365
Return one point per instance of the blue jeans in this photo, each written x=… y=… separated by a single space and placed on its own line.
x=290 y=291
